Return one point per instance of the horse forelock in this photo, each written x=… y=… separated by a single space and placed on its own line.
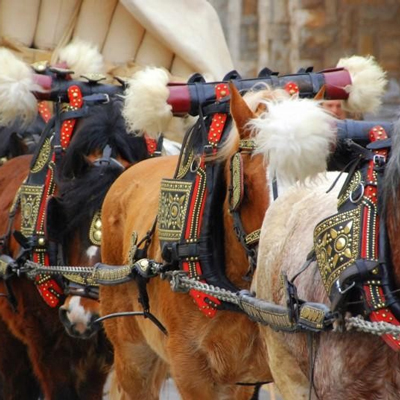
x=104 y=125
x=82 y=186
x=391 y=181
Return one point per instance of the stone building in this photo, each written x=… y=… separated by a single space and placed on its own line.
x=285 y=35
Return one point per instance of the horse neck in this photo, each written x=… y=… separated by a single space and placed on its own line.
x=252 y=210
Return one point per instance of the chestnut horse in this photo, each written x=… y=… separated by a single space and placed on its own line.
x=350 y=365
x=205 y=357
x=66 y=368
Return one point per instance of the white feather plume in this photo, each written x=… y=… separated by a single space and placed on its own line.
x=146 y=108
x=82 y=58
x=16 y=87
x=368 y=84
x=295 y=137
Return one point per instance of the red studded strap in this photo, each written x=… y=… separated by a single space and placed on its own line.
x=219 y=119
x=67 y=127
x=292 y=88
x=207 y=304
x=49 y=289
x=44 y=111
x=370 y=246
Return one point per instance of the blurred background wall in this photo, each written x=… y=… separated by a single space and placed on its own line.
x=285 y=35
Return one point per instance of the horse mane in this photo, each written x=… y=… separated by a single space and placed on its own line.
x=82 y=186
x=391 y=181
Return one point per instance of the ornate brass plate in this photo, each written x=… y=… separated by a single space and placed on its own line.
x=336 y=243
x=31 y=196
x=173 y=208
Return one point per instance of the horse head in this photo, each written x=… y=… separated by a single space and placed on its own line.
x=99 y=152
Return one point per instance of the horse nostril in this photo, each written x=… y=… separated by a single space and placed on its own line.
x=62 y=313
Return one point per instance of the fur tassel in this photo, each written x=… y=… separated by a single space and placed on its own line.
x=16 y=87
x=368 y=84
x=82 y=58
x=146 y=108
x=295 y=136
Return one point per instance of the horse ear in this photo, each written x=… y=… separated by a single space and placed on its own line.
x=240 y=111
x=321 y=93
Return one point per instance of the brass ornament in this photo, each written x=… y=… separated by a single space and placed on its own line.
x=40 y=66
x=247 y=145
x=94 y=78
x=31 y=196
x=236 y=181
x=95 y=229
x=336 y=244
x=43 y=157
x=173 y=208
x=253 y=237
x=313 y=316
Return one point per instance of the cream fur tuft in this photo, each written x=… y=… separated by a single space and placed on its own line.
x=16 y=87
x=146 y=108
x=295 y=136
x=82 y=57
x=368 y=83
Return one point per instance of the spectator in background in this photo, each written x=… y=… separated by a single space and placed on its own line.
x=335 y=107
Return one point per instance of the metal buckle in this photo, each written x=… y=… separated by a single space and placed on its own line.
x=194 y=166
x=340 y=290
x=379 y=159
x=356 y=200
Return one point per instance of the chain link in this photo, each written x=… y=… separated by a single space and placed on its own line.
x=375 y=328
x=180 y=282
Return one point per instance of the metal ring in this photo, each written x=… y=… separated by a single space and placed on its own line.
x=194 y=166
x=358 y=197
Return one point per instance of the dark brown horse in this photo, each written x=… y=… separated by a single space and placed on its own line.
x=66 y=368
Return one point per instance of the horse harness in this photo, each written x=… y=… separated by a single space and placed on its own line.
x=37 y=189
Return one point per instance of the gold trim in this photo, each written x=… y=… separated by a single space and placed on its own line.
x=274 y=319
x=253 y=237
x=43 y=157
x=184 y=168
x=312 y=315
x=173 y=208
x=353 y=184
x=95 y=229
x=237 y=178
x=247 y=145
x=31 y=196
x=336 y=244
x=80 y=280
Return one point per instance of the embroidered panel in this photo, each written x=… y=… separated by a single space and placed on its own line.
x=337 y=245
x=173 y=208
x=31 y=196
